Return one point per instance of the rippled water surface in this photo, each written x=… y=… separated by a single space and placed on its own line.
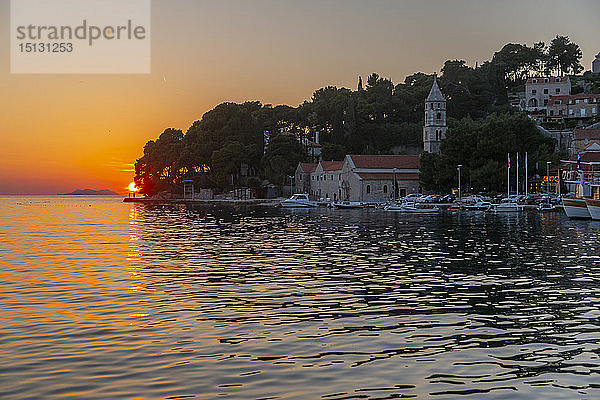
x=105 y=300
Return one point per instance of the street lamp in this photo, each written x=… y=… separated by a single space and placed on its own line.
x=548 y=176
x=459 y=192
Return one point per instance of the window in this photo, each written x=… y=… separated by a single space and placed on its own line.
x=557 y=80
x=560 y=112
x=431 y=106
x=570 y=111
x=368 y=189
x=546 y=80
x=535 y=81
x=545 y=91
x=402 y=192
x=339 y=177
x=439 y=115
x=557 y=90
x=385 y=188
x=533 y=91
x=551 y=113
x=545 y=102
x=593 y=110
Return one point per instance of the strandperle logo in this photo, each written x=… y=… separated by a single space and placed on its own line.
x=80 y=36
x=91 y=33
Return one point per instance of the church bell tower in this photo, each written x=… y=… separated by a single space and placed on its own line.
x=435 y=119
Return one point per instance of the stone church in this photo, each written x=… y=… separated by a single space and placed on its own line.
x=435 y=127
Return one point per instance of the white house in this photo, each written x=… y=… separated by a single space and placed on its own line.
x=539 y=89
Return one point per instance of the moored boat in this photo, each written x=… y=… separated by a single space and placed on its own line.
x=546 y=207
x=299 y=200
x=576 y=208
x=411 y=208
x=479 y=206
x=348 y=204
x=593 y=206
x=508 y=206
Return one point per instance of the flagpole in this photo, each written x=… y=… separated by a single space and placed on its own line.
x=526 y=179
x=508 y=175
x=517 y=173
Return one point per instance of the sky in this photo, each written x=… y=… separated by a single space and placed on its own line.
x=67 y=131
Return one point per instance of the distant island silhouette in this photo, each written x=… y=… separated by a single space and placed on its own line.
x=91 y=192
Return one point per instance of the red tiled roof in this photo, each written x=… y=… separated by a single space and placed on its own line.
x=331 y=165
x=385 y=162
x=590 y=145
x=580 y=134
x=565 y=98
x=590 y=156
x=552 y=79
x=388 y=176
x=308 y=167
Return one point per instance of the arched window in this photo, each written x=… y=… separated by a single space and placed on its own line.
x=368 y=189
x=385 y=189
x=431 y=106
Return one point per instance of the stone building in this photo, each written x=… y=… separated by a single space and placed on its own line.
x=370 y=178
x=573 y=106
x=435 y=127
x=363 y=178
x=303 y=177
x=596 y=64
x=327 y=180
x=539 y=89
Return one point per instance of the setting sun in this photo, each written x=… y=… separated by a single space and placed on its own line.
x=132 y=187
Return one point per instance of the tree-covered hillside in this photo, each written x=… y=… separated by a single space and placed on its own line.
x=226 y=147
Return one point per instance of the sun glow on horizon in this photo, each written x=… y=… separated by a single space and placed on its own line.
x=132 y=187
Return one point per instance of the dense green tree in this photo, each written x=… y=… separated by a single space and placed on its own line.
x=564 y=56
x=484 y=159
x=333 y=152
x=159 y=168
x=227 y=162
x=281 y=158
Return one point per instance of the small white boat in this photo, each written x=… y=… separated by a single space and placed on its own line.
x=593 y=206
x=348 y=204
x=576 y=208
x=411 y=208
x=508 y=206
x=299 y=200
x=546 y=207
x=479 y=206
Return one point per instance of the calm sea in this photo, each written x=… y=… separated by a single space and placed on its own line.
x=105 y=300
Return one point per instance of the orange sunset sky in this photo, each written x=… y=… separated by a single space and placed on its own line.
x=62 y=132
